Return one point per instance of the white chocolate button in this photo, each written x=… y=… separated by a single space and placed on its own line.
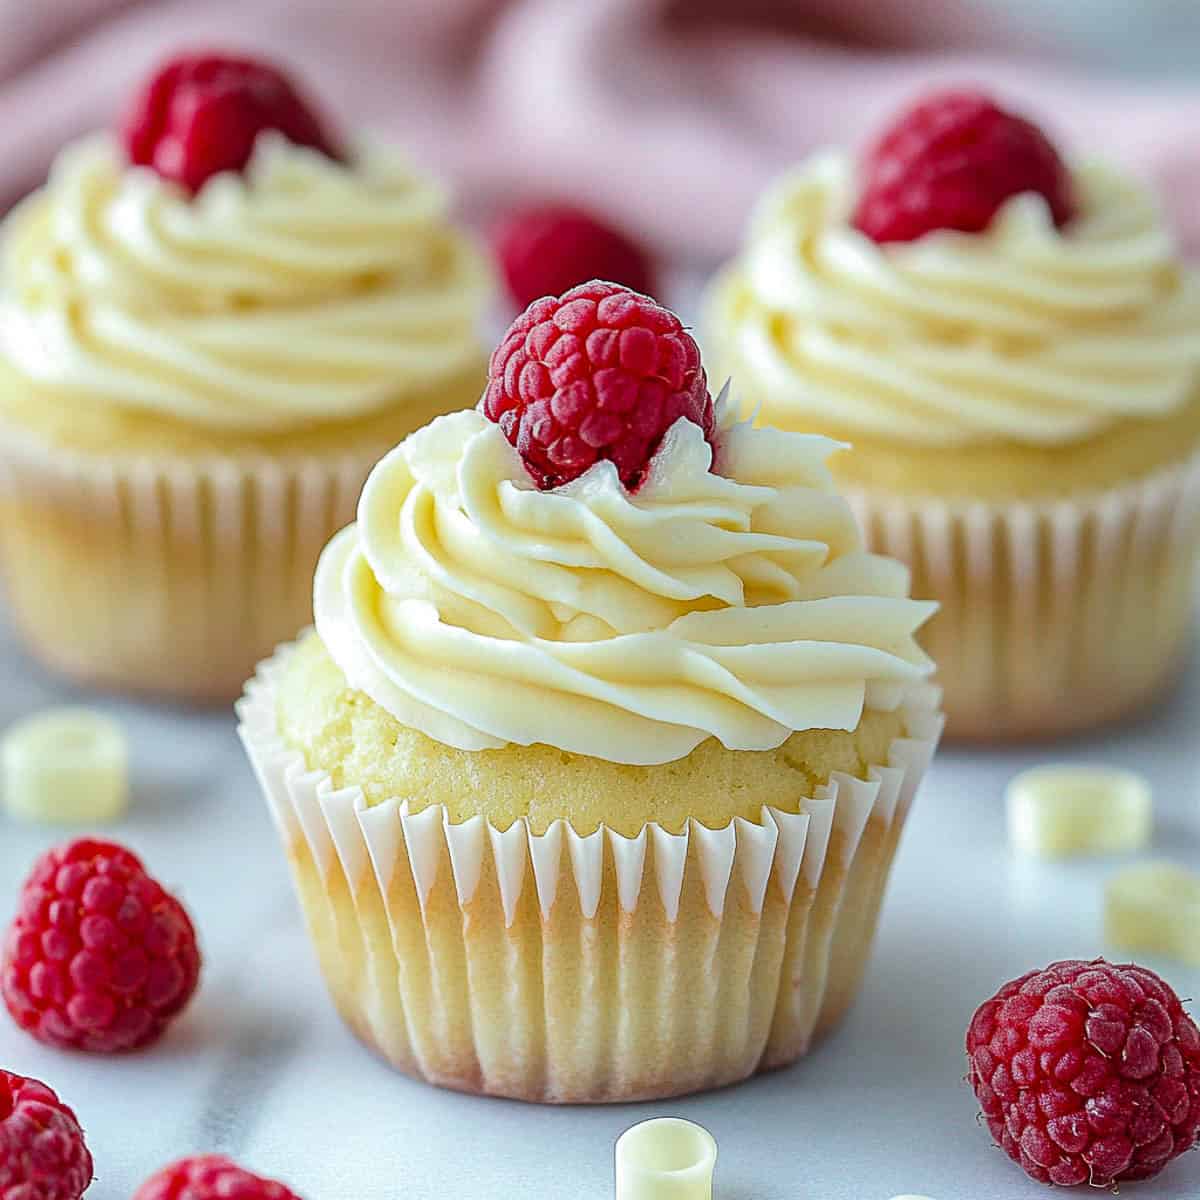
x=1063 y=809
x=665 y=1159
x=65 y=766
x=1154 y=908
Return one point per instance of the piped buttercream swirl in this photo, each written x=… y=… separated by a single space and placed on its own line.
x=630 y=627
x=1024 y=332
x=300 y=290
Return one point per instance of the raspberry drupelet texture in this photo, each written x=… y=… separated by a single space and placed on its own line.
x=210 y=1177
x=200 y=114
x=602 y=372
x=99 y=957
x=950 y=163
x=545 y=250
x=1087 y=1072
x=42 y=1152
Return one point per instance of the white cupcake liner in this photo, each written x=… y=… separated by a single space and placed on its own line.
x=778 y=907
x=1055 y=615
x=171 y=575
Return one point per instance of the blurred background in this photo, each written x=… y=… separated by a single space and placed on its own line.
x=666 y=115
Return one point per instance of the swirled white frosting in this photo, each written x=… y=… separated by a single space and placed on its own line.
x=1023 y=332
x=740 y=606
x=301 y=290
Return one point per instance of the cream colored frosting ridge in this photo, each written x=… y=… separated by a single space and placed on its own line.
x=738 y=605
x=301 y=290
x=1023 y=332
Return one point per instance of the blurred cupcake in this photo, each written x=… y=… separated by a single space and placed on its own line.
x=1013 y=348
x=211 y=326
x=591 y=776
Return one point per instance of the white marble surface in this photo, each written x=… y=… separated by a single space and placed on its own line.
x=259 y=1067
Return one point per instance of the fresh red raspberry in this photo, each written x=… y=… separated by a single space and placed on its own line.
x=599 y=373
x=42 y=1152
x=99 y=956
x=544 y=251
x=1087 y=1072
x=950 y=163
x=210 y=1177
x=200 y=114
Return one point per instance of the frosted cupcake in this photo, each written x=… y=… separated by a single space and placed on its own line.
x=211 y=326
x=1013 y=348
x=592 y=773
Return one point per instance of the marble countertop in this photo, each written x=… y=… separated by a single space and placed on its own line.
x=259 y=1066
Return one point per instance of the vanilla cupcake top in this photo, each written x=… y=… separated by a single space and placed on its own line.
x=1044 y=316
x=519 y=575
x=279 y=288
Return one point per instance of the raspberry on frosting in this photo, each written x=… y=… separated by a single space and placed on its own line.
x=43 y=1155
x=100 y=957
x=1087 y=1072
x=200 y=114
x=545 y=250
x=600 y=373
x=950 y=162
x=210 y=1177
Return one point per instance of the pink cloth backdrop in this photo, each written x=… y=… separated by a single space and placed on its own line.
x=670 y=116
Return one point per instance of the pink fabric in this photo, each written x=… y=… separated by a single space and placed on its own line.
x=670 y=115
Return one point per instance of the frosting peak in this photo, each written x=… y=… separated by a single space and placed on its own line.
x=301 y=290
x=630 y=627
x=1023 y=332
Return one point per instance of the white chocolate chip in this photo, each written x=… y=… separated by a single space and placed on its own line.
x=1061 y=809
x=65 y=766
x=1154 y=908
x=665 y=1159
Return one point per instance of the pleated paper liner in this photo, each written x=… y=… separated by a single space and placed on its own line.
x=171 y=577
x=566 y=968
x=1055 y=616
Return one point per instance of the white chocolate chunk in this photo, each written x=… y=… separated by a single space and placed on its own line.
x=1062 y=809
x=1154 y=908
x=65 y=766
x=665 y=1159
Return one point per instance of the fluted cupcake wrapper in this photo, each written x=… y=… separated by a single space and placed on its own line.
x=559 y=967
x=1054 y=616
x=170 y=576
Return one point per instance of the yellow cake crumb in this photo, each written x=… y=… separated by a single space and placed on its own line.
x=96 y=429
x=1005 y=471
x=347 y=735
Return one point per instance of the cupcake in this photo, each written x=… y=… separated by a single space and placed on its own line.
x=212 y=324
x=591 y=774
x=1013 y=348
